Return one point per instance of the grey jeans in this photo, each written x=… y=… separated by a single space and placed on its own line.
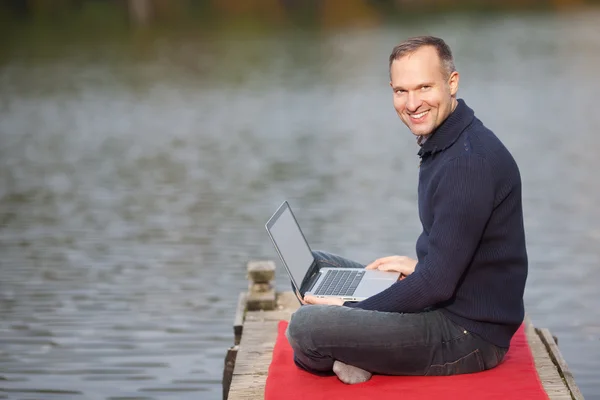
x=425 y=343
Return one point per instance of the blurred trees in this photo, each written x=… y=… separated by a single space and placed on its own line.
x=44 y=27
x=321 y=12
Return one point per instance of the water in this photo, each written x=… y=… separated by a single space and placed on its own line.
x=133 y=189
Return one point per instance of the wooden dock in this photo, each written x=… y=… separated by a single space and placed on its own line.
x=255 y=329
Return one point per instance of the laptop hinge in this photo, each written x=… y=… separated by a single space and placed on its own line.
x=310 y=279
x=312 y=282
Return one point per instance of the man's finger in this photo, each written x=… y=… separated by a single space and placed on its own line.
x=375 y=264
x=311 y=300
x=384 y=267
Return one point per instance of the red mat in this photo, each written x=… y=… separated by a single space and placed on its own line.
x=515 y=378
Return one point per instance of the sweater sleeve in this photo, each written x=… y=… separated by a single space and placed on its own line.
x=462 y=204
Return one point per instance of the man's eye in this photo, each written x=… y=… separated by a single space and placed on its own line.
x=400 y=91
x=425 y=87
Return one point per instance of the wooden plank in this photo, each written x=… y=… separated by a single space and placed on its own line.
x=228 y=369
x=238 y=321
x=287 y=301
x=256 y=348
x=552 y=382
x=257 y=316
x=248 y=387
x=558 y=359
x=254 y=356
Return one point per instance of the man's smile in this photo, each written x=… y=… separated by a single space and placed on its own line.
x=419 y=115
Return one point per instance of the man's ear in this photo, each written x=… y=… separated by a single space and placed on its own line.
x=391 y=84
x=453 y=82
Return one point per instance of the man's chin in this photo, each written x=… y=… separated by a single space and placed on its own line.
x=422 y=132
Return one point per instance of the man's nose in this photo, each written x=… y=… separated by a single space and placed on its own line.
x=413 y=101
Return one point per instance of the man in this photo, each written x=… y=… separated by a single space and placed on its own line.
x=457 y=307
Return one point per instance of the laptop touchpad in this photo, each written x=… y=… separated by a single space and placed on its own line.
x=369 y=286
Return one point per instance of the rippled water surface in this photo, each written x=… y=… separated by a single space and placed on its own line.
x=133 y=190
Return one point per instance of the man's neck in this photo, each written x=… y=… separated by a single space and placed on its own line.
x=423 y=138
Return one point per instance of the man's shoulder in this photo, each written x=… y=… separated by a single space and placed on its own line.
x=479 y=140
x=480 y=134
x=480 y=149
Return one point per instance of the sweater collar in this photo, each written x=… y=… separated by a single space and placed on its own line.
x=447 y=133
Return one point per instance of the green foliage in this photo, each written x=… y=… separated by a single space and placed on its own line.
x=44 y=29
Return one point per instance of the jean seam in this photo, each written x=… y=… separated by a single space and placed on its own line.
x=462 y=335
x=373 y=346
x=499 y=357
x=481 y=368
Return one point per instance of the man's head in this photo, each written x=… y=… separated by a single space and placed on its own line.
x=424 y=81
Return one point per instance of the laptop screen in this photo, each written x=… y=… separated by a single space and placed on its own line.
x=290 y=242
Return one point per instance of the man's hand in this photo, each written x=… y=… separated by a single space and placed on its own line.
x=404 y=265
x=332 y=301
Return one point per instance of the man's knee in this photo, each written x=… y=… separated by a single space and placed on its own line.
x=299 y=327
x=319 y=254
x=308 y=323
x=313 y=323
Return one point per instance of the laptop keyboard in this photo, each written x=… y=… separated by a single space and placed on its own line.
x=340 y=283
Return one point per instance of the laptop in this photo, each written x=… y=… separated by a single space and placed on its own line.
x=349 y=284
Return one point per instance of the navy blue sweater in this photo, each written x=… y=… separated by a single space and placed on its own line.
x=472 y=261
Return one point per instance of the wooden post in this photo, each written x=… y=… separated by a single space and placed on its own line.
x=560 y=363
x=261 y=290
x=228 y=369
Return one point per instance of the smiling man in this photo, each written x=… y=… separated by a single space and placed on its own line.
x=460 y=303
x=425 y=83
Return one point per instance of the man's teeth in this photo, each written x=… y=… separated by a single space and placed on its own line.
x=420 y=115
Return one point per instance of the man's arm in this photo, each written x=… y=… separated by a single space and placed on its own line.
x=462 y=204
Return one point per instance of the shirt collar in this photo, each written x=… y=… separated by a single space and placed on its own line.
x=422 y=139
x=447 y=133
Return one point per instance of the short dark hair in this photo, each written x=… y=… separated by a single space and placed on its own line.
x=412 y=44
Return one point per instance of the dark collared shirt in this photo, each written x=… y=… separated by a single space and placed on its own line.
x=472 y=260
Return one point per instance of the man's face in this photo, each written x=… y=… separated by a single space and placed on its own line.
x=423 y=96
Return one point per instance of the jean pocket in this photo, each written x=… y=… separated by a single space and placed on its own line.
x=472 y=362
x=500 y=353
